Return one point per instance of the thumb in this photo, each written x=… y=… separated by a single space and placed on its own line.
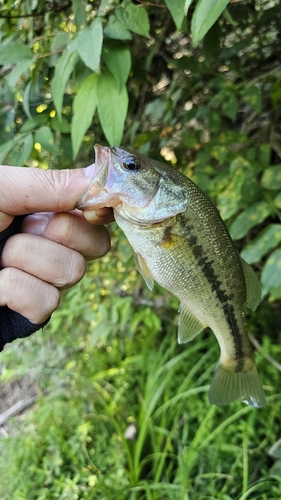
x=26 y=190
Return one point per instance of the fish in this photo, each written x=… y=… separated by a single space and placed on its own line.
x=181 y=242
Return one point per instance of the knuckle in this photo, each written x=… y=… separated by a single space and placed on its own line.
x=102 y=243
x=75 y=270
x=52 y=300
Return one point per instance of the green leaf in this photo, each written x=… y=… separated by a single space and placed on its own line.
x=187 y=5
x=252 y=96
x=89 y=45
x=14 y=52
x=60 y=125
x=260 y=246
x=230 y=107
x=116 y=30
x=60 y=41
x=271 y=178
x=117 y=58
x=84 y=107
x=178 y=10
x=25 y=100
x=229 y=200
x=45 y=137
x=22 y=150
x=134 y=18
x=34 y=122
x=5 y=148
x=249 y=218
x=79 y=11
x=271 y=273
x=205 y=15
x=277 y=200
x=16 y=72
x=112 y=107
x=63 y=71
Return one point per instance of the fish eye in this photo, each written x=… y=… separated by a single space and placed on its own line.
x=132 y=163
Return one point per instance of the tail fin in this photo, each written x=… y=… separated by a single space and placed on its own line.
x=230 y=384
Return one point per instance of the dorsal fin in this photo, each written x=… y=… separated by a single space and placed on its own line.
x=253 y=287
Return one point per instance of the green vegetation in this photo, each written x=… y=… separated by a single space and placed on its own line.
x=196 y=84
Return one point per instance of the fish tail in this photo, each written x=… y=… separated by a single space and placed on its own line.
x=237 y=381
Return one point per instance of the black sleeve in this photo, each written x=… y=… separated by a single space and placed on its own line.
x=12 y=324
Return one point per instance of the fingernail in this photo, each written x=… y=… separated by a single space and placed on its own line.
x=89 y=171
x=35 y=224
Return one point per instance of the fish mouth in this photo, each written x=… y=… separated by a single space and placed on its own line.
x=97 y=196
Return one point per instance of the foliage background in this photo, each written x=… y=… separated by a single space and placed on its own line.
x=196 y=84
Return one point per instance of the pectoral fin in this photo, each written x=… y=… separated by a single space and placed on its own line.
x=143 y=269
x=189 y=325
x=253 y=287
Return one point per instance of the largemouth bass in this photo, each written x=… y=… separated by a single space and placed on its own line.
x=181 y=242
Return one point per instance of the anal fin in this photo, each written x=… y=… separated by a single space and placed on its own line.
x=143 y=269
x=189 y=325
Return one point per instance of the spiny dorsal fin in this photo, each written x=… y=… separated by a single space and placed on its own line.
x=189 y=325
x=253 y=287
x=143 y=269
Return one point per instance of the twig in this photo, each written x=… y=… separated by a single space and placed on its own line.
x=267 y=356
x=16 y=408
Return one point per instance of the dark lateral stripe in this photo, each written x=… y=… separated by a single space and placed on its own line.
x=216 y=286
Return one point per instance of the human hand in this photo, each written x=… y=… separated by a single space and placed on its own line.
x=50 y=252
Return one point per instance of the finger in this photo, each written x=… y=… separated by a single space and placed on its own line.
x=27 y=295
x=45 y=259
x=5 y=221
x=25 y=190
x=72 y=230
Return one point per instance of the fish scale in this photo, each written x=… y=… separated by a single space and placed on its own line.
x=181 y=242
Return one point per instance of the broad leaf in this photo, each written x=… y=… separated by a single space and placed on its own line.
x=5 y=148
x=116 y=29
x=63 y=71
x=135 y=18
x=22 y=150
x=229 y=200
x=252 y=96
x=89 y=45
x=271 y=178
x=178 y=10
x=112 y=107
x=271 y=273
x=117 y=58
x=260 y=246
x=13 y=53
x=79 y=11
x=25 y=100
x=60 y=125
x=205 y=15
x=34 y=122
x=249 y=218
x=230 y=107
x=45 y=137
x=84 y=107
x=16 y=72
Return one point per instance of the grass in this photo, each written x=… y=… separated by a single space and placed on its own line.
x=71 y=445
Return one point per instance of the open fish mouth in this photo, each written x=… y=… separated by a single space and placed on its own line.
x=98 y=194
